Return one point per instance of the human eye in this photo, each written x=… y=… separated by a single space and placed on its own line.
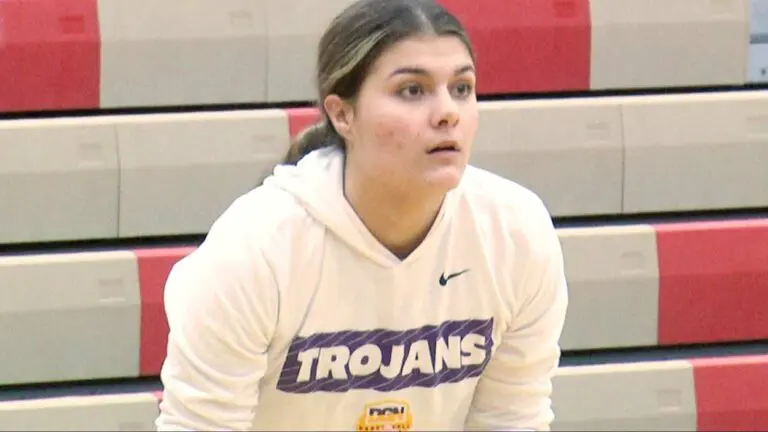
x=411 y=91
x=463 y=90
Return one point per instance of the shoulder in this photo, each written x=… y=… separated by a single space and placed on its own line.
x=259 y=217
x=249 y=253
x=262 y=228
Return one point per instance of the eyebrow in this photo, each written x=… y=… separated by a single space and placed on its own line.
x=421 y=71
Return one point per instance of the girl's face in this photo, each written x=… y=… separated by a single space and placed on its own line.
x=415 y=117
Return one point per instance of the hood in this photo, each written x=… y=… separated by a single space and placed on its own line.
x=316 y=182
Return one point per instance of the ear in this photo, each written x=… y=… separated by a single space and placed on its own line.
x=340 y=114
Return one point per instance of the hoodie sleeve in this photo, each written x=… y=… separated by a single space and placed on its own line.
x=221 y=305
x=514 y=392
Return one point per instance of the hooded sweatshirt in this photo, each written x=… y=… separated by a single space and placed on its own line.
x=292 y=316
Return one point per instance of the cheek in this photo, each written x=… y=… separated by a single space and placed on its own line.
x=469 y=123
x=396 y=132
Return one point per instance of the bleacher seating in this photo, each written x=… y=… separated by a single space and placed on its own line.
x=671 y=395
x=631 y=286
x=164 y=174
x=88 y=54
x=79 y=315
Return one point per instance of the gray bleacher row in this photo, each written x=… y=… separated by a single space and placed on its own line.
x=231 y=51
x=758 y=49
x=172 y=174
x=659 y=396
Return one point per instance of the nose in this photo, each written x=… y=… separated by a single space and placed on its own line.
x=446 y=111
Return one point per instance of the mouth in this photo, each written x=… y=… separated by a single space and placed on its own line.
x=444 y=147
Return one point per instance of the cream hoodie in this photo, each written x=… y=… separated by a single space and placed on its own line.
x=291 y=316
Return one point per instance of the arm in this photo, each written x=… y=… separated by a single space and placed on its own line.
x=514 y=392
x=221 y=304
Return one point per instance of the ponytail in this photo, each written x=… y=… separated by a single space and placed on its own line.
x=314 y=137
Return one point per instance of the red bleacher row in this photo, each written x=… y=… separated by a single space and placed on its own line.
x=101 y=314
x=714 y=382
x=85 y=54
x=710 y=288
x=712 y=394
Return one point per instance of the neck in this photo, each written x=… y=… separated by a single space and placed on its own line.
x=399 y=220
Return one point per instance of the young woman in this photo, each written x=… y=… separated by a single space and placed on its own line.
x=374 y=281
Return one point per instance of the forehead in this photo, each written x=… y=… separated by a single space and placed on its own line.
x=436 y=54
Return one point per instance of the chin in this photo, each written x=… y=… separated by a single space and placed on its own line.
x=445 y=178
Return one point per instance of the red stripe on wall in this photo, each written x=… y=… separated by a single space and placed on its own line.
x=528 y=45
x=154 y=267
x=49 y=55
x=731 y=393
x=713 y=280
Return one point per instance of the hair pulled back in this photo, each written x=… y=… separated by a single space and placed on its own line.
x=351 y=45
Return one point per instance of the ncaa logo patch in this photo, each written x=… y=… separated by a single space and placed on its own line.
x=386 y=415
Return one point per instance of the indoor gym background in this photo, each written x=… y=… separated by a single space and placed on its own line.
x=128 y=126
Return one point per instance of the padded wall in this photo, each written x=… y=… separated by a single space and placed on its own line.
x=568 y=152
x=58 y=180
x=295 y=27
x=613 y=281
x=166 y=174
x=72 y=54
x=657 y=396
x=166 y=53
x=668 y=43
x=49 y=58
x=630 y=286
x=154 y=265
x=69 y=317
x=722 y=393
x=528 y=45
x=120 y=412
x=178 y=172
x=713 y=277
x=757 y=69
x=731 y=393
x=695 y=152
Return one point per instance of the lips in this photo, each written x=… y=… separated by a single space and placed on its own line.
x=445 y=146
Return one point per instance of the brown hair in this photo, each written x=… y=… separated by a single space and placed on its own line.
x=353 y=42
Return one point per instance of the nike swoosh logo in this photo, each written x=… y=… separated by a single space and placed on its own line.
x=444 y=279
